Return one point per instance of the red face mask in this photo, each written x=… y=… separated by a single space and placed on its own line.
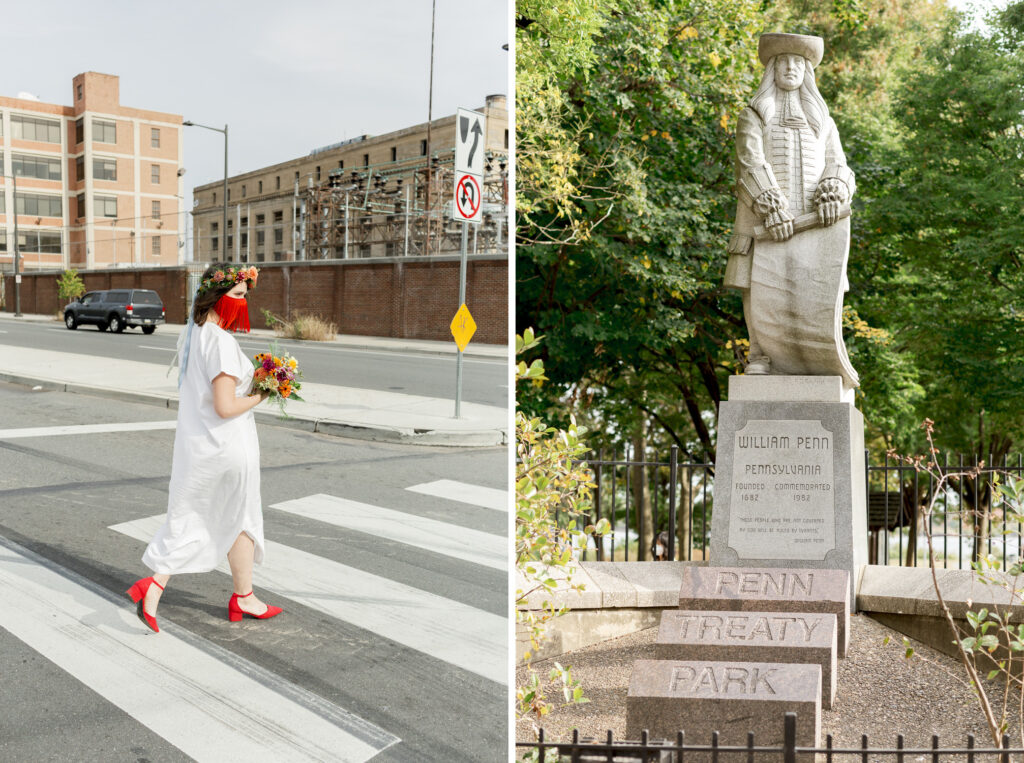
x=233 y=312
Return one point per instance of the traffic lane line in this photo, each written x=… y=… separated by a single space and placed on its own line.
x=211 y=709
x=447 y=630
x=79 y=429
x=451 y=540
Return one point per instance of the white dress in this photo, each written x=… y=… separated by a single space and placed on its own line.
x=214 y=492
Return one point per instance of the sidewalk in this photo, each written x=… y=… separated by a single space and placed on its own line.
x=329 y=409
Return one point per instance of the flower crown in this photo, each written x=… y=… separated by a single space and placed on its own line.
x=229 y=278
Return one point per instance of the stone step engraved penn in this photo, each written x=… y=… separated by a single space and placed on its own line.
x=698 y=697
x=752 y=636
x=770 y=589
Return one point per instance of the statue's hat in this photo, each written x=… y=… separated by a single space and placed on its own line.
x=775 y=43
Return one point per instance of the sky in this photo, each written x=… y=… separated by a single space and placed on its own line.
x=286 y=77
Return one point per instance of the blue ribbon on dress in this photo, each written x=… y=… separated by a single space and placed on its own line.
x=186 y=338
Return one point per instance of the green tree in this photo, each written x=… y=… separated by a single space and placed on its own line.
x=70 y=285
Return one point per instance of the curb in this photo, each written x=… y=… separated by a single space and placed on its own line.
x=470 y=439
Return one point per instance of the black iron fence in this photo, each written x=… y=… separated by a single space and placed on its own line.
x=661 y=509
x=648 y=751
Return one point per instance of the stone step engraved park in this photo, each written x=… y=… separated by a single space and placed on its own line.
x=768 y=589
x=698 y=697
x=753 y=637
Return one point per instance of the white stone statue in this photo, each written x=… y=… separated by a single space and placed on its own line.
x=791 y=241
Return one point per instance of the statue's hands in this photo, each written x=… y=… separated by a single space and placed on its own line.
x=774 y=208
x=779 y=225
x=830 y=196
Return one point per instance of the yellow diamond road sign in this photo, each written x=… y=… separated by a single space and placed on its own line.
x=463 y=327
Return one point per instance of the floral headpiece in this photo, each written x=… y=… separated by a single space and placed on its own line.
x=229 y=277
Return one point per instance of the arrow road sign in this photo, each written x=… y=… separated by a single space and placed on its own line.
x=470 y=129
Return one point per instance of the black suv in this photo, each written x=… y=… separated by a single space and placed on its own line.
x=116 y=309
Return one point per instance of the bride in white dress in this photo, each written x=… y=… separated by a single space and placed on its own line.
x=214 y=507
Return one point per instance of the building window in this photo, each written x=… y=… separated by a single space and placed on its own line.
x=260 y=188
x=105 y=206
x=154 y=137
x=154 y=174
x=104 y=131
x=278 y=236
x=214 y=243
x=231 y=241
x=214 y=197
x=229 y=194
x=261 y=238
x=80 y=169
x=243 y=190
x=104 y=169
x=80 y=204
x=277 y=183
x=38 y=205
x=365 y=250
x=366 y=160
x=394 y=153
x=260 y=219
x=80 y=130
x=278 y=216
x=278 y=256
x=341 y=164
x=214 y=227
x=156 y=209
x=44 y=242
x=31 y=128
x=42 y=167
x=296 y=176
x=506 y=138
x=78 y=92
x=156 y=245
x=245 y=240
x=423 y=147
x=318 y=172
x=244 y=222
x=231 y=224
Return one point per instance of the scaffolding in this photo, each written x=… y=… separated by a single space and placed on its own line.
x=384 y=211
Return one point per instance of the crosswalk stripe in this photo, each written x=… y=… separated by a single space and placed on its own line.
x=463 y=492
x=74 y=429
x=461 y=635
x=208 y=708
x=448 y=539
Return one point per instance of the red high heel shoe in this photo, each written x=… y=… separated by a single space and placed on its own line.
x=235 y=612
x=138 y=594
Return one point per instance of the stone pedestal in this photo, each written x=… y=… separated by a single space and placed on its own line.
x=790 y=477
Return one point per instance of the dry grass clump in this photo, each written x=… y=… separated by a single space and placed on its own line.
x=302 y=326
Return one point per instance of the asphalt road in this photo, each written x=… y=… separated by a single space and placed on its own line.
x=378 y=628
x=484 y=380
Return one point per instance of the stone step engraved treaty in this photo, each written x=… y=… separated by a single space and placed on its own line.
x=770 y=589
x=753 y=637
x=783 y=498
x=700 y=696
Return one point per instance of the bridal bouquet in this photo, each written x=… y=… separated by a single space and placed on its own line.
x=277 y=373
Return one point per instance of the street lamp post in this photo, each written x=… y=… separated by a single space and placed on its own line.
x=224 y=224
x=17 y=251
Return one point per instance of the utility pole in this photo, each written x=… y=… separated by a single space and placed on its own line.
x=224 y=191
x=430 y=117
x=17 y=251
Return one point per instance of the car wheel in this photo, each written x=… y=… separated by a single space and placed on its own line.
x=148 y=329
x=115 y=323
x=70 y=322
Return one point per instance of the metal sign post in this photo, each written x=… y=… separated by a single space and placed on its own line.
x=467 y=206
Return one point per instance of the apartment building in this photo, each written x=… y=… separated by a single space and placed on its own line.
x=91 y=185
x=362 y=197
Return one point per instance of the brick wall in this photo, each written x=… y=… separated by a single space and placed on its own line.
x=409 y=298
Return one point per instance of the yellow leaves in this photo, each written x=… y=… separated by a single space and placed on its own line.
x=714 y=58
x=724 y=121
x=686 y=33
x=644 y=137
x=647 y=263
x=665 y=135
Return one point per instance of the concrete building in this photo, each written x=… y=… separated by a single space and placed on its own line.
x=363 y=197
x=98 y=184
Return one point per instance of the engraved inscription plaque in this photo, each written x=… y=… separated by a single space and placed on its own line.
x=783 y=492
